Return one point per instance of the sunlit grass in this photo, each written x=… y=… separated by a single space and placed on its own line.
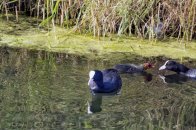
x=88 y=46
x=106 y=17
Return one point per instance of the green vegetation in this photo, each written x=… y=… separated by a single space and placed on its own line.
x=124 y=27
x=107 y=17
x=42 y=89
x=25 y=35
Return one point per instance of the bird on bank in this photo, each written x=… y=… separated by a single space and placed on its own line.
x=158 y=30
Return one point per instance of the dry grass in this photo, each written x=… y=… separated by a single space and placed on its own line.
x=105 y=17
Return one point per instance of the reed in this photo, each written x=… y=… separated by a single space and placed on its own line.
x=105 y=17
x=16 y=13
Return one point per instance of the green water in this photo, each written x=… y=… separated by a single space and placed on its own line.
x=41 y=90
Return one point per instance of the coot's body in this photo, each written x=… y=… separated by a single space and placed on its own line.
x=132 y=68
x=105 y=81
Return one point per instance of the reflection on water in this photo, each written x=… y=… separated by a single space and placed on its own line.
x=95 y=104
x=176 y=78
x=96 y=101
x=40 y=90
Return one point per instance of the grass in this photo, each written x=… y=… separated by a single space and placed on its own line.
x=106 y=17
x=67 y=41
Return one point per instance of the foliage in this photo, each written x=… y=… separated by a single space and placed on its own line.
x=104 y=17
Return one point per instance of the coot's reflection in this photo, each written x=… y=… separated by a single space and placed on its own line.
x=95 y=104
x=146 y=76
x=175 y=78
x=96 y=101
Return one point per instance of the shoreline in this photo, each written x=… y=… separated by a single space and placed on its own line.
x=29 y=36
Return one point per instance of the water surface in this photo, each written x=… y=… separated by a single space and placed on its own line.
x=42 y=90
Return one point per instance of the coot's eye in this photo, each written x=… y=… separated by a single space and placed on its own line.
x=171 y=63
x=168 y=63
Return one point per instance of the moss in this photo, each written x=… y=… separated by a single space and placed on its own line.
x=66 y=41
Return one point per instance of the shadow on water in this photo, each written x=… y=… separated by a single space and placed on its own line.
x=42 y=90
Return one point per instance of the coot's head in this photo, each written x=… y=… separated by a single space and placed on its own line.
x=148 y=66
x=174 y=66
x=95 y=76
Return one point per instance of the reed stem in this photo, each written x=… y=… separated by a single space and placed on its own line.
x=16 y=13
x=105 y=17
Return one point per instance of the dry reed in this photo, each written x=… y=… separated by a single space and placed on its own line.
x=104 y=17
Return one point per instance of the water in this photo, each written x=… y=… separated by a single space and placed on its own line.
x=41 y=90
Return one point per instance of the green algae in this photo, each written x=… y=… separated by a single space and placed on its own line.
x=28 y=35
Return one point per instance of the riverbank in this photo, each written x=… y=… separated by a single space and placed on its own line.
x=26 y=34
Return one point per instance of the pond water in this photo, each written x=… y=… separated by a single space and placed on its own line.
x=42 y=90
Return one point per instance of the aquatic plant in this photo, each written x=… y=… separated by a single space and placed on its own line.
x=104 y=17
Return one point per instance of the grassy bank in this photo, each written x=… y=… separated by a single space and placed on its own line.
x=146 y=19
x=27 y=35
